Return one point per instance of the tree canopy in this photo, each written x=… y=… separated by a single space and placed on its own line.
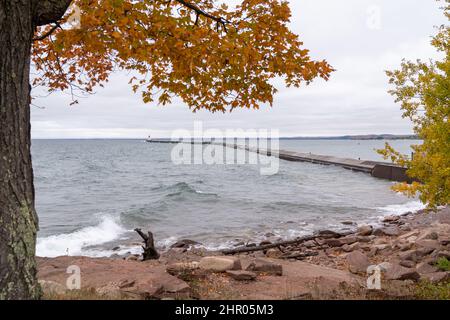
x=423 y=90
x=210 y=55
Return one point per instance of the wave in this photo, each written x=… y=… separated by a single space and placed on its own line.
x=185 y=188
x=398 y=209
x=75 y=243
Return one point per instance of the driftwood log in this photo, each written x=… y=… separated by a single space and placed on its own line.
x=269 y=246
x=299 y=255
x=325 y=234
x=150 y=252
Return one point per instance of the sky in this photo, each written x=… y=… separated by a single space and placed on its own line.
x=359 y=38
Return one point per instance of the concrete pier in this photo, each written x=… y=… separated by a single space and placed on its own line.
x=382 y=170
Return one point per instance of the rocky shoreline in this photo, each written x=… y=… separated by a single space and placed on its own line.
x=410 y=251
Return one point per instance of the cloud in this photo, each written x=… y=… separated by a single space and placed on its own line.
x=354 y=101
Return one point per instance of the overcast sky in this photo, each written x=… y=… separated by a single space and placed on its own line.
x=350 y=34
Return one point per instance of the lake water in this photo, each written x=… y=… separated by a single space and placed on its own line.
x=91 y=194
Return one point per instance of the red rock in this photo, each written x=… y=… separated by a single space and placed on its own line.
x=240 y=275
x=407 y=264
x=220 y=263
x=357 y=262
x=265 y=266
x=114 y=277
x=387 y=231
x=436 y=276
x=334 y=242
x=365 y=230
x=391 y=219
x=397 y=272
x=409 y=255
x=426 y=267
x=444 y=254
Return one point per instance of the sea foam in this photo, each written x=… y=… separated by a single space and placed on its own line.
x=75 y=243
x=398 y=209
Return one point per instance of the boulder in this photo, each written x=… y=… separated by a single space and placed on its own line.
x=351 y=247
x=265 y=266
x=144 y=290
x=405 y=228
x=320 y=241
x=387 y=231
x=430 y=235
x=181 y=267
x=409 y=234
x=52 y=287
x=409 y=255
x=334 y=242
x=429 y=244
x=241 y=275
x=397 y=272
x=425 y=268
x=364 y=239
x=379 y=241
x=176 y=287
x=273 y=253
x=444 y=254
x=426 y=247
x=365 y=230
x=220 y=264
x=391 y=219
x=405 y=246
x=407 y=263
x=328 y=234
x=385 y=266
x=383 y=247
x=132 y=257
x=185 y=243
x=422 y=251
x=364 y=247
x=436 y=277
x=349 y=239
x=112 y=291
x=357 y=262
x=310 y=244
x=411 y=239
x=373 y=251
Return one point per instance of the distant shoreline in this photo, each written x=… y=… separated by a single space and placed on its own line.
x=346 y=137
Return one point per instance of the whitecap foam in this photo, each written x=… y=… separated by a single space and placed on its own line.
x=167 y=242
x=75 y=243
x=398 y=209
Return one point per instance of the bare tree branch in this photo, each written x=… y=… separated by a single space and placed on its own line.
x=200 y=12
x=49 y=11
x=48 y=33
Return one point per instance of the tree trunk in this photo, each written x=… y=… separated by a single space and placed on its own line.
x=18 y=220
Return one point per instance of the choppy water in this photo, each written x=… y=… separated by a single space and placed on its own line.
x=91 y=194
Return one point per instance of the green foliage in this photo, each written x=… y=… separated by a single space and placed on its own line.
x=428 y=291
x=443 y=264
x=423 y=89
